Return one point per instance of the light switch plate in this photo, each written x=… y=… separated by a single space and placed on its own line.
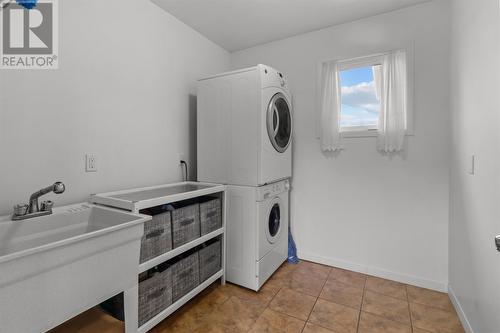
x=91 y=162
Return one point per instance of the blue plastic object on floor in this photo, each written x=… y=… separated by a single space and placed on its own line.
x=292 y=249
x=28 y=4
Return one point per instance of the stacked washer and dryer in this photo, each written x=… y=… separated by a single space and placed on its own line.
x=244 y=140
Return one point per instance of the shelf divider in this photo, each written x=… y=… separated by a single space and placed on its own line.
x=178 y=250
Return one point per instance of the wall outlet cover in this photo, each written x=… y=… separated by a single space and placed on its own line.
x=91 y=162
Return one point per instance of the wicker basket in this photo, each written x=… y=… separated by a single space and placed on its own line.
x=210 y=260
x=185 y=224
x=157 y=238
x=155 y=295
x=185 y=276
x=210 y=216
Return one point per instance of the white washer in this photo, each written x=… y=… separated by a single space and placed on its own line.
x=257 y=232
x=244 y=123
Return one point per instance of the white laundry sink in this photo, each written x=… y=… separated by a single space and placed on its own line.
x=54 y=267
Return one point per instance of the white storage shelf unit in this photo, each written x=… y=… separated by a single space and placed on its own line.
x=135 y=200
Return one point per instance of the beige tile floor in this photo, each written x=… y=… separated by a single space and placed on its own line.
x=307 y=298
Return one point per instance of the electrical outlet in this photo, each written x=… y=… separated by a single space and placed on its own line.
x=90 y=162
x=182 y=157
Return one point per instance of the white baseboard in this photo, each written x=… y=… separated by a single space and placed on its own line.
x=460 y=311
x=375 y=271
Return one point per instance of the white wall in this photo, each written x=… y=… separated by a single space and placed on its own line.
x=474 y=200
x=125 y=90
x=359 y=209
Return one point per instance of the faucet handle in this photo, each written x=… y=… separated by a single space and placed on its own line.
x=21 y=209
x=47 y=206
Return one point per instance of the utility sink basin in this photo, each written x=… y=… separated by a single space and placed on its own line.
x=54 y=267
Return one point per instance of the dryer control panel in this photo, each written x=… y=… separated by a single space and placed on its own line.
x=269 y=191
x=272 y=78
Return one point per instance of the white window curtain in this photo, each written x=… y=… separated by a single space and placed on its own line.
x=330 y=107
x=391 y=85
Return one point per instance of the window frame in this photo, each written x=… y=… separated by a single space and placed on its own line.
x=348 y=64
x=359 y=56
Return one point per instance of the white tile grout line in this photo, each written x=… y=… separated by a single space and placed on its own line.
x=409 y=309
x=361 y=307
x=317 y=298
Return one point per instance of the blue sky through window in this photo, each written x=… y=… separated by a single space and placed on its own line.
x=360 y=105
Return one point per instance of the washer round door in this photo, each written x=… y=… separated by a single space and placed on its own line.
x=279 y=122
x=273 y=228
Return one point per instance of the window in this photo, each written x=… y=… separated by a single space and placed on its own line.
x=366 y=96
x=360 y=102
x=360 y=94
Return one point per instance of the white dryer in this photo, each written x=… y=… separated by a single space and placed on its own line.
x=244 y=124
x=257 y=232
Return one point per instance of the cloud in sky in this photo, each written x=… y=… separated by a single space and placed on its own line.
x=357 y=117
x=361 y=96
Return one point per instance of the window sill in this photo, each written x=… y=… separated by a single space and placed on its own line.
x=359 y=134
x=365 y=134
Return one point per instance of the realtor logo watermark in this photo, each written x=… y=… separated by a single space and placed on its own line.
x=29 y=37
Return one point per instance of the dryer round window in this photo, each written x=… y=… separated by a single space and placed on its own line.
x=279 y=122
x=274 y=221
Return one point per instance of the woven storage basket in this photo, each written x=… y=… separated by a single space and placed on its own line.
x=185 y=276
x=210 y=260
x=157 y=238
x=210 y=216
x=155 y=295
x=185 y=224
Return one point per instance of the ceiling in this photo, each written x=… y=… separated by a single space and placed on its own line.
x=239 y=24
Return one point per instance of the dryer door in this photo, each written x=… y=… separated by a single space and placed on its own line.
x=274 y=224
x=279 y=122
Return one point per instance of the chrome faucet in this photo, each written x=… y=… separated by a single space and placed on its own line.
x=23 y=211
x=57 y=188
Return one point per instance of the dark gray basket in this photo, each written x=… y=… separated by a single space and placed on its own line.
x=210 y=216
x=185 y=276
x=155 y=295
x=210 y=260
x=157 y=238
x=185 y=224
